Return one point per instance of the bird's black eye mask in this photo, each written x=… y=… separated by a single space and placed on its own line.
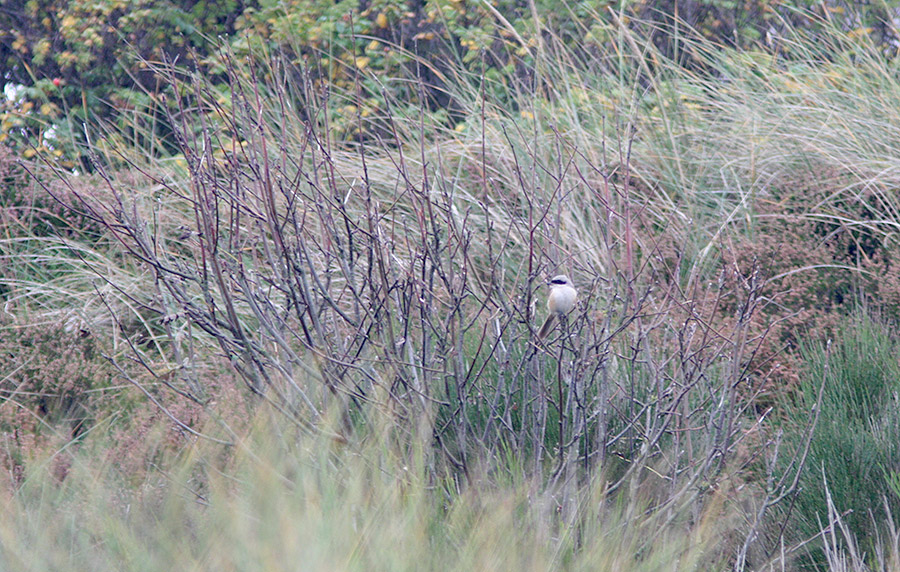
x=557 y=282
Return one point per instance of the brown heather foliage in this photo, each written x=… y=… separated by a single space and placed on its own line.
x=54 y=371
x=52 y=388
x=64 y=388
x=816 y=272
x=57 y=383
x=139 y=444
x=28 y=210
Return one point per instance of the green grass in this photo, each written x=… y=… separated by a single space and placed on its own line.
x=856 y=442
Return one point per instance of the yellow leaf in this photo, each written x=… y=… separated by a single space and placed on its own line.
x=381 y=21
x=29 y=153
x=362 y=62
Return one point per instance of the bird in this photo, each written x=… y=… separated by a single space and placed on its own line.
x=560 y=302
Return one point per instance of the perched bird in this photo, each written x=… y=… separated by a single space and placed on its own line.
x=560 y=302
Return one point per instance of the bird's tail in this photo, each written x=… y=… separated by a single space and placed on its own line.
x=548 y=325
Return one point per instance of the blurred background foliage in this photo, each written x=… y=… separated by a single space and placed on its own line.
x=72 y=64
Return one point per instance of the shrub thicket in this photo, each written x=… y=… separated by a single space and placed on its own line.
x=329 y=222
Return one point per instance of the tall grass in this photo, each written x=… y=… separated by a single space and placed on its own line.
x=817 y=113
x=299 y=502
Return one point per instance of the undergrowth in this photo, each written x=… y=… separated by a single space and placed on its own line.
x=337 y=336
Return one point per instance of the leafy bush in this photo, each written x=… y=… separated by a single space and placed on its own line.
x=88 y=64
x=80 y=62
